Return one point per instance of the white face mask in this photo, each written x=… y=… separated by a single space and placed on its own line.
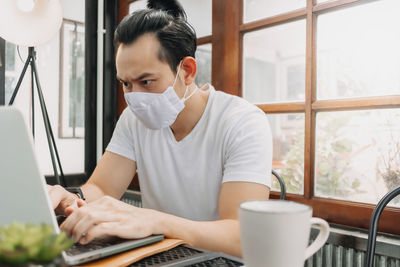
x=157 y=111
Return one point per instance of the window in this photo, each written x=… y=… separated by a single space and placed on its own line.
x=356 y=151
x=288 y=143
x=348 y=62
x=199 y=16
x=72 y=80
x=11 y=74
x=138 y=4
x=259 y=9
x=330 y=87
x=357 y=154
x=274 y=61
x=203 y=58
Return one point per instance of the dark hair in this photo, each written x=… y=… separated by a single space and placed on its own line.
x=166 y=19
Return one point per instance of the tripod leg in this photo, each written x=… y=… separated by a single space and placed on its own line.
x=41 y=98
x=21 y=77
x=50 y=138
x=62 y=178
x=40 y=94
x=33 y=103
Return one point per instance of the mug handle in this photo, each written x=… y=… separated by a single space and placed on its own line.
x=321 y=238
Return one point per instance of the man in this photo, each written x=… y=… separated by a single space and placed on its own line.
x=198 y=152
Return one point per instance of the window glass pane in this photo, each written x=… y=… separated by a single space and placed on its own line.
x=259 y=9
x=72 y=83
x=288 y=155
x=199 y=14
x=357 y=154
x=203 y=58
x=57 y=62
x=10 y=56
x=10 y=70
x=274 y=63
x=139 y=4
x=9 y=87
x=359 y=57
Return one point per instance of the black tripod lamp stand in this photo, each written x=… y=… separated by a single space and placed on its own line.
x=31 y=60
x=31 y=23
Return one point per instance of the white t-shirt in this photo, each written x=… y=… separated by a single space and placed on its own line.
x=231 y=143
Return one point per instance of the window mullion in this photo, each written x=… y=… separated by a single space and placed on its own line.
x=309 y=149
x=225 y=45
x=392 y=101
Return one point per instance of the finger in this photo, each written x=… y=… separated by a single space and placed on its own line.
x=86 y=219
x=70 y=221
x=83 y=226
x=81 y=203
x=69 y=211
x=55 y=195
x=114 y=228
x=99 y=231
x=71 y=208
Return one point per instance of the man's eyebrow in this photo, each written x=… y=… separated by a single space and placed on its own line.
x=119 y=79
x=140 y=77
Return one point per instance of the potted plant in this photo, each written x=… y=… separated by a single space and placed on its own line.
x=29 y=244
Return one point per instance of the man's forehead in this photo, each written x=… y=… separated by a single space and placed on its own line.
x=139 y=57
x=146 y=45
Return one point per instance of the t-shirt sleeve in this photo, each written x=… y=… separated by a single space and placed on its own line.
x=122 y=141
x=248 y=153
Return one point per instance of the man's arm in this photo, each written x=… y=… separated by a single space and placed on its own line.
x=111 y=177
x=222 y=235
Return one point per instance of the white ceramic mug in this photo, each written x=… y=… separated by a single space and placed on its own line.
x=275 y=233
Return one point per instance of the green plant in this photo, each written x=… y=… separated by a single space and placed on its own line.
x=334 y=152
x=293 y=172
x=20 y=243
x=389 y=164
x=333 y=157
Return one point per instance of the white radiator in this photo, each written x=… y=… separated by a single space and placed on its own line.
x=347 y=248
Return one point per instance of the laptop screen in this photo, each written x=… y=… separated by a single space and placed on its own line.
x=23 y=189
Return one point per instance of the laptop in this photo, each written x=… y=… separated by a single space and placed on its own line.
x=23 y=193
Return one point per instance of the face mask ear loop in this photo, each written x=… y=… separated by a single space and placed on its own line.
x=186 y=90
x=176 y=77
x=194 y=91
x=177 y=73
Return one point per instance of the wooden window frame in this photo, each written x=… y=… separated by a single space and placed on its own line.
x=335 y=211
x=228 y=30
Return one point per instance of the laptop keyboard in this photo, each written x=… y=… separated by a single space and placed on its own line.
x=218 y=262
x=78 y=248
x=187 y=256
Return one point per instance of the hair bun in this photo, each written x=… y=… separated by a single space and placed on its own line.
x=173 y=7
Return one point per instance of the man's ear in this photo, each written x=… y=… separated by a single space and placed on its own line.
x=189 y=66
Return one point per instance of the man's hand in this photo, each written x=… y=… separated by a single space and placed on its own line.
x=108 y=216
x=61 y=199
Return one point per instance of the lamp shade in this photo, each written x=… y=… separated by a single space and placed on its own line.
x=33 y=27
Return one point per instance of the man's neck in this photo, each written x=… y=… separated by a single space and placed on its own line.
x=191 y=114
